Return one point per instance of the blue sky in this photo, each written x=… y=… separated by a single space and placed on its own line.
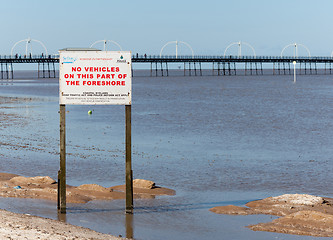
x=145 y=26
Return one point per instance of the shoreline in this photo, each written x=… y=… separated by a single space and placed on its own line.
x=44 y=187
x=299 y=214
x=25 y=226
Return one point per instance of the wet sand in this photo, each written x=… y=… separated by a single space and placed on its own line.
x=301 y=214
x=44 y=187
x=22 y=226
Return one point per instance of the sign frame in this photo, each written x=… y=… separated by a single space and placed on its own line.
x=95 y=77
x=105 y=62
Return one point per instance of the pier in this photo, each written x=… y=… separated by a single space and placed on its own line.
x=45 y=65
x=229 y=65
x=190 y=65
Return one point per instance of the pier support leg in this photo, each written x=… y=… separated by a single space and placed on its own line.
x=156 y=73
x=189 y=68
x=289 y=68
x=12 y=70
x=167 y=70
x=195 y=68
x=54 y=71
x=48 y=69
x=200 y=69
x=43 y=70
x=7 y=70
x=151 y=69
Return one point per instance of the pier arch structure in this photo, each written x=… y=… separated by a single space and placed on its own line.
x=45 y=66
x=177 y=43
x=240 y=44
x=296 y=46
x=27 y=45
x=105 y=42
x=308 y=66
x=187 y=64
x=249 y=66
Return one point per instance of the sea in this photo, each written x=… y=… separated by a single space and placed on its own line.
x=215 y=140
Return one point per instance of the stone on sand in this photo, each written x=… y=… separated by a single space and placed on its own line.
x=94 y=187
x=19 y=180
x=310 y=223
x=141 y=183
x=302 y=214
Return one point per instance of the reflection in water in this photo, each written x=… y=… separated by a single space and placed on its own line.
x=129 y=225
x=62 y=217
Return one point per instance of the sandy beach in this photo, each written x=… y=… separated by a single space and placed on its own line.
x=22 y=226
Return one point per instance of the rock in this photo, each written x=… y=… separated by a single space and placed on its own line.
x=93 y=187
x=310 y=223
x=231 y=210
x=141 y=183
x=299 y=199
x=32 y=180
x=302 y=214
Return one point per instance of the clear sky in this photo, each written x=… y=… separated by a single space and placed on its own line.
x=144 y=26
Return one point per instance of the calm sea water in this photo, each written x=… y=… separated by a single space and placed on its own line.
x=216 y=140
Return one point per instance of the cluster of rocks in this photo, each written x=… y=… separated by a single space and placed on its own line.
x=300 y=214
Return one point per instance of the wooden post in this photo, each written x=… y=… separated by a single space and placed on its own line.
x=62 y=171
x=129 y=226
x=129 y=172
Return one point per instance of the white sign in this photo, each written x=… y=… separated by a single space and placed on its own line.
x=95 y=77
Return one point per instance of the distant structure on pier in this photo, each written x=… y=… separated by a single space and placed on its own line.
x=28 y=47
x=239 y=44
x=295 y=45
x=226 y=64
x=177 y=43
x=105 y=42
